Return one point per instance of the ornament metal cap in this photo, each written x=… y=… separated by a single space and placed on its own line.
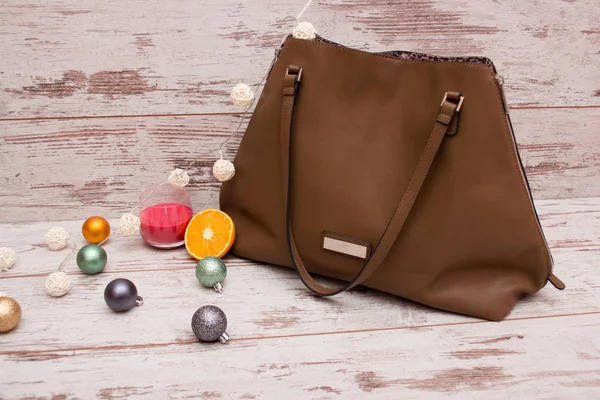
x=139 y=301
x=218 y=287
x=224 y=338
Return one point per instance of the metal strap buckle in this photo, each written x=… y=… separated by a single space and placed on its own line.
x=294 y=71
x=460 y=101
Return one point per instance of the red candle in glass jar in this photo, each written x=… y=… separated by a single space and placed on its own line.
x=164 y=224
x=165 y=214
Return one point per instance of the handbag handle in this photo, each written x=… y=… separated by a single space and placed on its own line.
x=444 y=124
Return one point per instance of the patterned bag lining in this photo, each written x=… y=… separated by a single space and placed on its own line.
x=409 y=55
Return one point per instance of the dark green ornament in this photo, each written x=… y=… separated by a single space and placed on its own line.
x=211 y=272
x=91 y=259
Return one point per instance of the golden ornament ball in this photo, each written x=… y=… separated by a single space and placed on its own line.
x=95 y=229
x=10 y=314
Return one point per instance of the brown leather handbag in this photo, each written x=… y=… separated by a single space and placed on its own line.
x=397 y=171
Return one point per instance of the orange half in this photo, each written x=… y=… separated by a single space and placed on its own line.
x=210 y=233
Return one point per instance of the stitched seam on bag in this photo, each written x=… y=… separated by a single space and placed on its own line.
x=400 y=60
x=525 y=191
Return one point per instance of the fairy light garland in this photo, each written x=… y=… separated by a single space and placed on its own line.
x=8 y=258
x=243 y=95
x=57 y=238
x=57 y=283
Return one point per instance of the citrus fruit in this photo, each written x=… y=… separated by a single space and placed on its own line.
x=210 y=233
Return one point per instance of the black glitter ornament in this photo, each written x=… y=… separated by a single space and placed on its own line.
x=209 y=324
x=121 y=295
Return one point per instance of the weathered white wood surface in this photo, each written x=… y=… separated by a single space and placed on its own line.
x=547 y=358
x=57 y=170
x=260 y=301
x=285 y=338
x=132 y=57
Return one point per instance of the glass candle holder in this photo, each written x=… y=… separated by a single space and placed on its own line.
x=165 y=214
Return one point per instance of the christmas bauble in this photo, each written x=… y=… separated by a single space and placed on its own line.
x=211 y=272
x=209 y=324
x=95 y=229
x=10 y=314
x=91 y=259
x=121 y=295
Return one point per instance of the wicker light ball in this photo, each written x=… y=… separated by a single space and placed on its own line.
x=304 y=30
x=179 y=178
x=129 y=224
x=8 y=258
x=223 y=170
x=57 y=238
x=242 y=95
x=58 y=284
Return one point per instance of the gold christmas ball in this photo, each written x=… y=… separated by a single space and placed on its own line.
x=10 y=314
x=95 y=229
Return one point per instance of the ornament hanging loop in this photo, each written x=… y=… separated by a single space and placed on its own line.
x=139 y=301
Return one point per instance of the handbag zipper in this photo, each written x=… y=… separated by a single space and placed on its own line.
x=553 y=279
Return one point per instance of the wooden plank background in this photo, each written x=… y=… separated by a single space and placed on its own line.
x=151 y=57
x=99 y=100
x=100 y=166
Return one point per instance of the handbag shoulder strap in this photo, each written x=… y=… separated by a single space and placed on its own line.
x=445 y=123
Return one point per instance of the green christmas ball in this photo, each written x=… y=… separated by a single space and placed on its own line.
x=91 y=259
x=211 y=272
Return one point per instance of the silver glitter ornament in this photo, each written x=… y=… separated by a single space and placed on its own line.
x=209 y=324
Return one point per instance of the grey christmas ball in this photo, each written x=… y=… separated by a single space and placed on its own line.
x=121 y=295
x=209 y=324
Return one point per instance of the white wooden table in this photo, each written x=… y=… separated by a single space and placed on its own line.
x=99 y=100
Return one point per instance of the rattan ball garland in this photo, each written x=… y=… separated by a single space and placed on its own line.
x=129 y=224
x=57 y=238
x=223 y=170
x=242 y=95
x=304 y=30
x=8 y=258
x=57 y=284
x=179 y=178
